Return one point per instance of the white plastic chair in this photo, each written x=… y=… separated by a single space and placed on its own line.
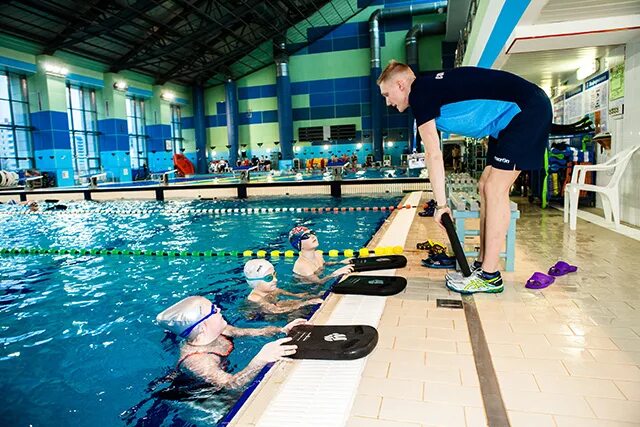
x=611 y=200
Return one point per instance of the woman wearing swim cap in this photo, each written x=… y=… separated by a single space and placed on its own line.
x=208 y=341
x=310 y=263
x=261 y=276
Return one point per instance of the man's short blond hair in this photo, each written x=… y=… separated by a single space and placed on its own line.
x=393 y=69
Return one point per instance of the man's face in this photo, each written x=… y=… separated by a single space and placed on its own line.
x=396 y=93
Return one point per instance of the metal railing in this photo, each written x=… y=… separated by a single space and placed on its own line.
x=463 y=39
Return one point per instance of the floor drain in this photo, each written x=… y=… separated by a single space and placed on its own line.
x=449 y=303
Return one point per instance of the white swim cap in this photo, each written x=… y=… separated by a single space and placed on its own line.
x=183 y=314
x=256 y=268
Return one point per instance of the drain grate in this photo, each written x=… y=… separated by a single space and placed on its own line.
x=449 y=303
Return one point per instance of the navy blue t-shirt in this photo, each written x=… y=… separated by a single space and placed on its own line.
x=470 y=101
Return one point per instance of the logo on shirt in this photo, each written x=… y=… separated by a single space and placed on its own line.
x=501 y=159
x=440 y=76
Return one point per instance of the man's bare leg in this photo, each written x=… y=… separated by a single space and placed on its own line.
x=497 y=215
x=483 y=208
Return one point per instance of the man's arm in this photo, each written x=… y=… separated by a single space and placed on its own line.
x=435 y=163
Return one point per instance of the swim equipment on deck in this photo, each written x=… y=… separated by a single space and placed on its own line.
x=370 y=285
x=333 y=342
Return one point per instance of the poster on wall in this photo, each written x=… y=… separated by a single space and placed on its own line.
x=558 y=109
x=596 y=100
x=616 y=92
x=573 y=108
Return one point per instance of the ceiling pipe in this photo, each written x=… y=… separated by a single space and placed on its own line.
x=376 y=67
x=413 y=60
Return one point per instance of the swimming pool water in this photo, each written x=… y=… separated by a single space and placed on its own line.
x=78 y=343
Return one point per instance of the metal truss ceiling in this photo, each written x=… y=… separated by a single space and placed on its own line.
x=184 y=41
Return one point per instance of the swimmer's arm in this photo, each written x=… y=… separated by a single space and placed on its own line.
x=288 y=306
x=232 y=331
x=213 y=374
x=291 y=294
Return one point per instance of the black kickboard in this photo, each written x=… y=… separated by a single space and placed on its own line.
x=370 y=285
x=384 y=262
x=458 y=251
x=333 y=342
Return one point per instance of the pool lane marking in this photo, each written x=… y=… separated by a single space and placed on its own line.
x=390 y=208
x=494 y=406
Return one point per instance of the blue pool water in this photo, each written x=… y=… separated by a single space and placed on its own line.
x=78 y=343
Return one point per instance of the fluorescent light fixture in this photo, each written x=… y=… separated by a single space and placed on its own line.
x=55 y=69
x=587 y=69
x=121 y=85
x=359 y=145
x=168 y=96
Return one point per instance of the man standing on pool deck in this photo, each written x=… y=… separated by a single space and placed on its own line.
x=476 y=102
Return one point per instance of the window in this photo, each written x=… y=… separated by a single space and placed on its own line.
x=314 y=133
x=83 y=115
x=176 y=129
x=343 y=132
x=136 y=129
x=15 y=135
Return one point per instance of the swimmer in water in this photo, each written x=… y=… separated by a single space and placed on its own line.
x=261 y=276
x=310 y=264
x=208 y=341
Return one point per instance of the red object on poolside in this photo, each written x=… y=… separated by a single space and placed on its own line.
x=184 y=165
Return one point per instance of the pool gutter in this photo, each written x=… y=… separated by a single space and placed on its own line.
x=316 y=392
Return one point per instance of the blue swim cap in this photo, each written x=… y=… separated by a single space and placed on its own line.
x=297 y=235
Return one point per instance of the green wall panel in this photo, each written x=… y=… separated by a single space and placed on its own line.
x=329 y=65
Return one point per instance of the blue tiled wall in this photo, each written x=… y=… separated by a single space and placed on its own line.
x=52 y=145
x=114 y=148
x=159 y=158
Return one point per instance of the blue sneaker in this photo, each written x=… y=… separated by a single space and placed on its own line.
x=479 y=281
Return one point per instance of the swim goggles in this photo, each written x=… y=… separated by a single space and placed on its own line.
x=267 y=278
x=186 y=332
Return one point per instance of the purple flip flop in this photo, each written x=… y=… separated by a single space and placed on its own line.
x=561 y=268
x=539 y=281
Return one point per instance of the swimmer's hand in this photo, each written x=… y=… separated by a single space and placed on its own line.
x=347 y=261
x=276 y=350
x=342 y=270
x=292 y=324
x=314 y=301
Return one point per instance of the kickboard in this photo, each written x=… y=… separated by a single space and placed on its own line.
x=458 y=251
x=385 y=262
x=333 y=342
x=370 y=285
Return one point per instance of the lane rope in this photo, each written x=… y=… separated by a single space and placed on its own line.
x=217 y=211
x=274 y=254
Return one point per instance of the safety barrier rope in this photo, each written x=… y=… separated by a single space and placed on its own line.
x=348 y=253
x=211 y=211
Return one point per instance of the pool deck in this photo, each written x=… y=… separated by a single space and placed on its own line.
x=568 y=355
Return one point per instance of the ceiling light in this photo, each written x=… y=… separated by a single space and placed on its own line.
x=587 y=69
x=55 y=70
x=168 y=96
x=121 y=85
x=359 y=145
x=325 y=146
x=390 y=144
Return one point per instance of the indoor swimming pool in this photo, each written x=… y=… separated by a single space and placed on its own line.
x=78 y=340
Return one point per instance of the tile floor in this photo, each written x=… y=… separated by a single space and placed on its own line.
x=568 y=355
